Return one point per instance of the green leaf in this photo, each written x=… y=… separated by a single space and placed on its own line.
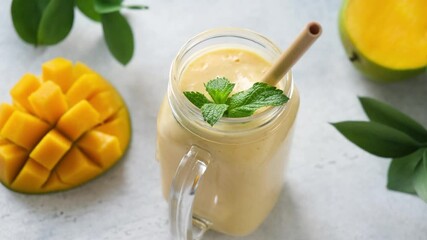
x=118 y=35
x=245 y=103
x=56 y=21
x=197 y=98
x=107 y=6
x=420 y=178
x=87 y=7
x=219 y=89
x=212 y=112
x=26 y=17
x=378 y=139
x=387 y=115
x=401 y=171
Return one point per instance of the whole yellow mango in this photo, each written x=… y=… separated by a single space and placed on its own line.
x=385 y=39
x=61 y=130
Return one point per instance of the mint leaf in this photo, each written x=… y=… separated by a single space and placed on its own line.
x=378 y=139
x=401 y=171
x=245 y=103
x=420 y=178
x=212 y=112
x=197 y=98
x=387 y=115
x=219 y=89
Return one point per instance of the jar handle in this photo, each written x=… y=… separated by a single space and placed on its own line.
x=181 y=198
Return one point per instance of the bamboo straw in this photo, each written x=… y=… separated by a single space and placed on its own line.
x=288 y=58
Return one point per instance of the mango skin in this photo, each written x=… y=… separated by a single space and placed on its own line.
x=47 y=174
x=371 y=70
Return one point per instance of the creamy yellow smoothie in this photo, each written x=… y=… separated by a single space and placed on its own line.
x=245 y=177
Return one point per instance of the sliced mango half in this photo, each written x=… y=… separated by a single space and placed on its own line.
x=62 y=129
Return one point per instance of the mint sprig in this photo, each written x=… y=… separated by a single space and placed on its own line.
x=392 y=134
x=241 y=104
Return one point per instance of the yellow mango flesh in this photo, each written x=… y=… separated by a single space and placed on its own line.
x=54 y=183
x=79 y=69
x=24 y=129
x=50 y=149
x=3 y=141
x=391 y=33
x=106 y=103
x=80 y=118
x=12 y=158
x=119 y=127
x=62 y=131
x=77 y=168
x=48 y=102
x=5 y=111
x=32 y=176
x=60 y=71
x=22 y=90
x=101 y=147
x=85 y=87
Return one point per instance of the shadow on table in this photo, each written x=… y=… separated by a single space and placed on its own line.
x=283 y=223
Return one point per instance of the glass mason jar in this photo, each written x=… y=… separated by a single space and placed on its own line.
x=227 y=177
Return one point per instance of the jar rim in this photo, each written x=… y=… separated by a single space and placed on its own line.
x=184 y=105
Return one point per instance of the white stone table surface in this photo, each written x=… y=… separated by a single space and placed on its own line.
x=333 y=191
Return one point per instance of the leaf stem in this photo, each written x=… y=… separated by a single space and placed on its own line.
x=136 y=7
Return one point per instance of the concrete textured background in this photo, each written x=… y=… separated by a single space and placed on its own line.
x=333 y=191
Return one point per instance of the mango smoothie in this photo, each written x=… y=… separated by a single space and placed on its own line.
x=245 y=176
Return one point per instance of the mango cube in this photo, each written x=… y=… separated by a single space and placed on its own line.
x=80 y=68
x=50 y=149
x=23 y=89
x=100 y=147
x=31 y=177
x=54 y=183
x=118 y=126
x=106 y=103
x=24 y=129
x=76 y=168
x=60 y=71
x=48 y=102
x=5 y=111
x=80 y=118
x=85 y=87
x=12 y=158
